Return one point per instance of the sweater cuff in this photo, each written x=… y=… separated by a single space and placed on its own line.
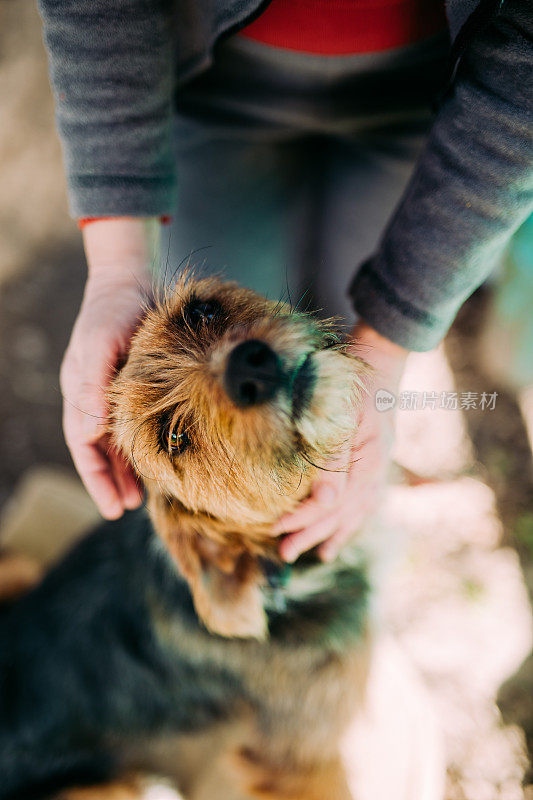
x=394 y=317
x=84 y=221
x=121 y=196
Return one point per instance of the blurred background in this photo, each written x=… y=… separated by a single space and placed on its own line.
x=462 y=494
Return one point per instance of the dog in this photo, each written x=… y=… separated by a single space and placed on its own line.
x=175 y=641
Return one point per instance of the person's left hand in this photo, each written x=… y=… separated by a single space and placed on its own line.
x=345 y=495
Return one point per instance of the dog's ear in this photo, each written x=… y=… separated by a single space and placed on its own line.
x=223 y=577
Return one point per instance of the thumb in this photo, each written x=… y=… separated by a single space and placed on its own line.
x=92 y=407
x=92 y=400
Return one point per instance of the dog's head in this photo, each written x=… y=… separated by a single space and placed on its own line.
x=226 y=407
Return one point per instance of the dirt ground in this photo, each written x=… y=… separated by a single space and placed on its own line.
x=41 y=260
x=463 y=481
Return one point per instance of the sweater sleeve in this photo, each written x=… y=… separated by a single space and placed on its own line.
x=471 y=189
x=111 y=69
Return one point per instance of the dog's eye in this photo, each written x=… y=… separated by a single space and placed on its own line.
x=199 y=311
x=174 y=438
x=178 y=442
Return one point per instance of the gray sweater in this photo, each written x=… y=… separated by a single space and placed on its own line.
x=116 y=66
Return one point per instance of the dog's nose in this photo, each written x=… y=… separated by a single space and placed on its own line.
x=253 y=373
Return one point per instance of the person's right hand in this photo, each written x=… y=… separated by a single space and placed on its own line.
x=109 y=313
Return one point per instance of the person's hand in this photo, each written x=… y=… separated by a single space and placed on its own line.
x=343 y=497
x=99 y=341
x=116 y=290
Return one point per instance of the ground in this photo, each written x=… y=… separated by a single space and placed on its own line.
x=461 y=503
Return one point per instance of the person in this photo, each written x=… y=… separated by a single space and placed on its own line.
x=304 y=146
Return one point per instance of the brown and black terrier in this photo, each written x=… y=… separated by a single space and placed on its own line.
x=176 y=642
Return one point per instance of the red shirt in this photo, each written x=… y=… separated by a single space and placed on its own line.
x=342 y=27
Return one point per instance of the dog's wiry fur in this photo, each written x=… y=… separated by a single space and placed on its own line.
x=173 y=653
x=215 y=504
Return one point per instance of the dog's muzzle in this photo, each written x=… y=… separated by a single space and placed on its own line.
x=254 y=373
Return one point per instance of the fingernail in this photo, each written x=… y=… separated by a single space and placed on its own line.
x=326 y=495
x=132 y=502
x=327 y=555
x=289 y=555
x=114 y=511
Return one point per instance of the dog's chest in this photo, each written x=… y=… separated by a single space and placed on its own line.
x=305 y=698
x=308 y=676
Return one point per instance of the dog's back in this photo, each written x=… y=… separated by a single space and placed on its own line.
x=107 y=656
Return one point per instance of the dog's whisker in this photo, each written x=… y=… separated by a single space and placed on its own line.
x=187 y=259
x=229 y=477
x=321 y=468
x=134 y=460
x=304 y=294
x=168 y=256
x=287 y=286
x=81 y=410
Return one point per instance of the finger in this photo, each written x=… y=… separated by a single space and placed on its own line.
x=95 y=472
x=330 y=549
x=85 y=374
x=125 y=480
x=364 y=498
x=326 y=493
x=294 y=545
x=84 y=425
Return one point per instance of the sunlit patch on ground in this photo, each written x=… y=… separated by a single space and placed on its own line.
x=458 y=602
x=431 y=441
